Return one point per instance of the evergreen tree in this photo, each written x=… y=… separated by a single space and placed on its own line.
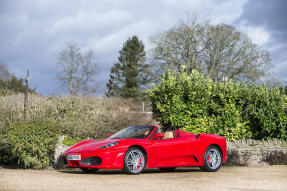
x=128 y=76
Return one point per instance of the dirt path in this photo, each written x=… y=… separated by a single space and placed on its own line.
x=184 y=179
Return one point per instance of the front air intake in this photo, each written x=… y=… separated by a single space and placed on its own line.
x=91 y=161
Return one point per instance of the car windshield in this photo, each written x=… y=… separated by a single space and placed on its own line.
x=135 y=132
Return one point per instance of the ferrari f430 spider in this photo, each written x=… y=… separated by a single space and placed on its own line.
x=138 y=147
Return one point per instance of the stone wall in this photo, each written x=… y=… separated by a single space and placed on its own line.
x=239 y=153
x=60 y=149
x=256 y=153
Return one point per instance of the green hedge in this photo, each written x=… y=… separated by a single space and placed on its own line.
x=33 y=143
x=234 y=110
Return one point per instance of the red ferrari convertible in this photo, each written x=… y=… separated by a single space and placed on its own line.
x=135 y=148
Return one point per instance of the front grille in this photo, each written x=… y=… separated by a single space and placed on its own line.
x=91 y=161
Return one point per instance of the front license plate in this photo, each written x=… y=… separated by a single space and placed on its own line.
x=74 y=157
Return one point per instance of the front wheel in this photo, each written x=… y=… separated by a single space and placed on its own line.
x=212 y=159
x=89 y=170
x=134 y=161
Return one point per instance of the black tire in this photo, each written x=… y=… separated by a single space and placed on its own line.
x=129 y=168
x=209 y=166
x=167 y=169
x=89 y=170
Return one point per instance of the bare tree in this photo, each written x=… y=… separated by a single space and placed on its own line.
x=77 y=70
x=217 y=50
x=229 y=53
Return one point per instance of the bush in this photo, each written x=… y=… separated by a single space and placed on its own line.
x=33 y=143
x=76 y=117
x=69 y=141
x=6 y=156
x=80 y=117
x=234 y=110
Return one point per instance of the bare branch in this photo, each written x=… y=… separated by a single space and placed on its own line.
x=77 y=70
x=217 y=50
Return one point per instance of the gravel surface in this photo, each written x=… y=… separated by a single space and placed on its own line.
x=183 y=179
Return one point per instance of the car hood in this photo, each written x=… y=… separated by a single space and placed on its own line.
x=90 y=145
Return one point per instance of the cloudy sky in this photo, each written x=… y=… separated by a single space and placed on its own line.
x=33 y=32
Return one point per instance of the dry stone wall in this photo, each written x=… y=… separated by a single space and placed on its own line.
x=256 y=153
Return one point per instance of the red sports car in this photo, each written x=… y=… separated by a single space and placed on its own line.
x=135 y=148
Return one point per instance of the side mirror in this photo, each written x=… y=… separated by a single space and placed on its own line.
x=158 y=136
x=109 y=135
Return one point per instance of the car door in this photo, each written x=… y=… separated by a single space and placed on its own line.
x=167 y=152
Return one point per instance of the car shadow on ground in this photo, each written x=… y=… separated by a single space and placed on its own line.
x=114 y=172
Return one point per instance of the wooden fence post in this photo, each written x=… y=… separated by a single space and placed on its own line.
x=26 y=96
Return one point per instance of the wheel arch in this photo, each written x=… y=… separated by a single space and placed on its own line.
x=217 y=146
x=139 y=147
x=143 y=149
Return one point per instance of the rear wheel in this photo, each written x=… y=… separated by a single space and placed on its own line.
x=167 y=169
x=134 y=161
x=212 y=159
x=89 y=170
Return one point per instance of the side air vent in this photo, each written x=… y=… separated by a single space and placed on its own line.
x=195 y=159
x=197 y=136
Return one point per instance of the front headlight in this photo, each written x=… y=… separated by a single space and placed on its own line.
x=109 y=145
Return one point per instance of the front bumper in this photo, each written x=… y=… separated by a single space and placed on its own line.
x=110 y=159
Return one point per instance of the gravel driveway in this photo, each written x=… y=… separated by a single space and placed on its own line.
x=184 y=179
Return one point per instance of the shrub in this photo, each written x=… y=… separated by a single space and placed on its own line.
x=6 y=156
x=69 y=141
x=76 y=117
x=80 y=117
x=234 y=110
x=33 y=143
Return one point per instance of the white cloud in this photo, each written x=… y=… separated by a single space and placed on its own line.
x=258 y=34
x=224 y=11
x=33 y=32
